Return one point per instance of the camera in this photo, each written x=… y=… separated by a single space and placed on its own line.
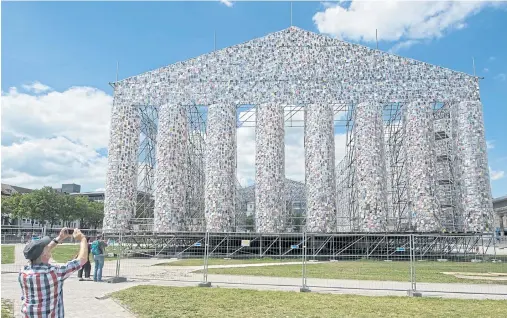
x=70 y=231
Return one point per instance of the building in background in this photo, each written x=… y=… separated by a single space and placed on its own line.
x=8 y=190
x=295 y=196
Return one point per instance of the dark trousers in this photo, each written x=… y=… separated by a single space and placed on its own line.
x=87 y=267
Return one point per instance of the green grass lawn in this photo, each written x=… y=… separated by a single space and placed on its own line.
x=157 y=301
x=7 y=254
x=65 y=253
x=430 y=272
x=221 y=261
x=7 y=308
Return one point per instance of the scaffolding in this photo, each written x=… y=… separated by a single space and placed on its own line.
x=398 y=218
x=197 y=116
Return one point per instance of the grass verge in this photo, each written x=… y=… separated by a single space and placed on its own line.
x=430 y=272
x=7 y=308
x=158 y=301
x=221 y=261
x=7 y=254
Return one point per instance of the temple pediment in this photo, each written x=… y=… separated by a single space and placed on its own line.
x=294 y=60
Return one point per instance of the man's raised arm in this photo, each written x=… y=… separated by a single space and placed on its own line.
x=82 y=256
x=66 y=270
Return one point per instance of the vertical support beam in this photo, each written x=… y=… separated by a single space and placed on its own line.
x=170 y=214
x=122 y=163
x=471 y=153
x=420 y=166
x=220 y=168
x=320 y=169
x=370 y=169
x=270 y=207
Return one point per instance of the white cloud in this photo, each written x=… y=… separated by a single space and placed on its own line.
x=402 y=46
x=79 y=113
x=227 y=3
x=50 y=162
x=395 y=20
x=492 y=58
x=490 y=144
x=486 y=70
x=496 y=175
x=36 y=87
x=501 y=77
x=55 y=137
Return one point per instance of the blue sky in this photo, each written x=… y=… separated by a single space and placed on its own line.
x=58 y=57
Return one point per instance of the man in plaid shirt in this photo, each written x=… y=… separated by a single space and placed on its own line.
x=42 y=283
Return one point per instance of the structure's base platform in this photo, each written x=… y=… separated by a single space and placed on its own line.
x=412 y=293
x=116 y=280
x=206 y=284
x=319 y=247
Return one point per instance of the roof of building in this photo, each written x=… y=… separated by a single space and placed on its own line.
x=88 y=193
x=10 y=189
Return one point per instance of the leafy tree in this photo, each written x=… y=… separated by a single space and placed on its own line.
x=28 y=208
x=46 y=202
x=10 y=208
x=66 y=209
x=48 y=207
x=95 y=214
x=81 y=210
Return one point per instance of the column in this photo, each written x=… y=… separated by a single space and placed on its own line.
x=270 y=209
x=473 y=171
x=420 y=166
x=122 y=164
x=220 y=168
x=171 y=179
x=369 y=166
x=320 y=168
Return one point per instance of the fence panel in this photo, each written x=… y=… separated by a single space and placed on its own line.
x=357 y=261
x=467 y=264
x=255 y=259
x=151 y=255
x=427 y=263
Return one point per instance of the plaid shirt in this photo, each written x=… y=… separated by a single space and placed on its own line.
x=42 y=288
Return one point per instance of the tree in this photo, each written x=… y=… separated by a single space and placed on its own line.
x=95 y=214
x=82 y=208
x=10 y=208
x=48 y=206
x=46 y=203
x=28 y=208
x=66 y=209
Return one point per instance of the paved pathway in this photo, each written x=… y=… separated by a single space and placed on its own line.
x=19 y=257
x=79 y=297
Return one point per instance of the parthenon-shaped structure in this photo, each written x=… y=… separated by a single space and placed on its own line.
x=436 y=127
